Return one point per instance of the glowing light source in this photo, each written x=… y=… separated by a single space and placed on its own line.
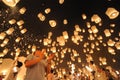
x=10 y=3
x=52 y=23
x=112 y=13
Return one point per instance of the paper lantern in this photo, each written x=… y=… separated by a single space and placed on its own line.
x=110 y=42
x=22 y=10
x=6 y=41
x=117 y=45
x=107 y=32
x=52 y=23
x=41 y=17
x=94 y=29
x=33 y=48
x=112 y=13
x=65 y=21
x=18 y=39
x=84 y=16
x=20 y=22
x=12 y=21
x=23 y=31
x=65 y=35
x=47 y=11
x=95 y=18
x=10 y=3
x=61 y=1
x=10 y=31
x=2 y=35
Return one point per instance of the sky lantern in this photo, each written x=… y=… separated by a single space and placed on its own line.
x=112 y=13
x=117 y=45
x=52 y=23
x=65 y=21
x=95 y=18
x=77 y=28
x=23 y=31
x=111 y=50
x=12 y=21
x=6 y=41
x=84 y=16
x=107 y=32
x=94 y=29
x=110 y=42
x=41 y=17
x=61 y=1
x=10 y=31
x=10 y=3
x=65 y=35
x=33 y=48
x=47 y=11
x=88 y=24
x=2 y=35
x=20 y=22
x=17 y=39
x=22 y=10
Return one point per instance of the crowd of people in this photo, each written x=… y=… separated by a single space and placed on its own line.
x=38 y=67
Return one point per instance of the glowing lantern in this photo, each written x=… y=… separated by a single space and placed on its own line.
x=52 y=23
x=22 y=10
x=21 y=22
x=112 y=25
x=111 y=50
x=33 y=48
x=117 y=45
x=65 y=21
x=47 y=11
x=77 y=28
x=95 y=18
x=17 y=39
x=6 y=41
x=12 y=21
x=88 y=24
x=2 y=35
x=41 y=17
x=110 y=42
x=10 y=31
x=49 y=35
x=107 y=32
x=94 y=29
x=112 y=13
x=65 y=35
x=79 y=60
x=61 y=1
x=53 y=49
x=23 y=31
x=84 y=16
x=5 y=51
x=11 y=3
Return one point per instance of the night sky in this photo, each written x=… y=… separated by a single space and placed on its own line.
x=71 y=10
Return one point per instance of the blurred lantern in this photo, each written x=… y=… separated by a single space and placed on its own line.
x=112 y=13
x=65 y=35
x=84 y=16
x=12 y=21
x=65 y=21
x=94 y=29
x=5 y=51
x=107 y=32
x=95 y=18
x=22 y=10
x=111 y=50
x=77 y=28
x=111 y=42
x=18 y=39
x=23 y=31
x=79 y=60
x=10 y=3
x=41 y=17
x=112 y=25
x=53 y=49
x=52 y=23
x=10 y=31
x=88 y=24
x=2 y=35
x=47 y=11
x=49 y=35
x=20 y=22
x=61 y=1
x=33 y=48
x=5 y=41
x=117 y=45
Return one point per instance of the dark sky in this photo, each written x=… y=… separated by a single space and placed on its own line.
x=72 y=11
